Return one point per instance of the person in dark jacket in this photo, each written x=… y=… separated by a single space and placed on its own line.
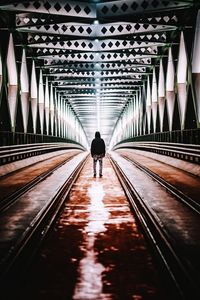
x=98 y=152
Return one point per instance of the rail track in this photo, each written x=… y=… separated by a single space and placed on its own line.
x=10 y=199
x=15 y=261
x=182 y=197
x=178 y=269
x=181 y=276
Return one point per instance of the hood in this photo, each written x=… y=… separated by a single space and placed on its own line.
x=97 y=134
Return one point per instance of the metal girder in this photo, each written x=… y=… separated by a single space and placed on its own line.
x=31 y=19
x=96 y=58
x=67 y=95
x=108 y=75
x=99 y=66
x=130 y=7
x=107 y=68
x=89 y=86
x=101 y=50
x=97 y=31
x=54 y=7
x=153 y=37
x=103 y=45
x=102 y=81
x=101 y=10
x=98 y=74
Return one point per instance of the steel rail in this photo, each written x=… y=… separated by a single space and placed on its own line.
x=183 y=198
x=15 y=263
x=180 y=278
x=10 y=199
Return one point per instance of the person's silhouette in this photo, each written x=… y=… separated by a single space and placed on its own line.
x=98 y=152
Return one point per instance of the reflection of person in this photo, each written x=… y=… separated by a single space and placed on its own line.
x=98 y=152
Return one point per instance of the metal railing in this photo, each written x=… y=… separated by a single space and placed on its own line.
x=189 y=136
x=17 y=138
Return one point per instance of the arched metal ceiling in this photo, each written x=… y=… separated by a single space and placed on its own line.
x=97 y=53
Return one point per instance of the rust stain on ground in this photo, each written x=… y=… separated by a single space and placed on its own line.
x=96 y=250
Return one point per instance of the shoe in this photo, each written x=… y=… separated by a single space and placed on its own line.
x=100 y=175
x=94 y=175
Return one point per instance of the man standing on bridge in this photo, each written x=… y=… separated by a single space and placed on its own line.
x=98 y=152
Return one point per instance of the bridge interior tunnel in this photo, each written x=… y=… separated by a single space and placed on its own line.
x=129 y=69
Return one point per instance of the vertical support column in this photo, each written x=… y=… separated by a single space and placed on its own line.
x=140 y=112
x=119 y=130
x=196 y=65
x=161 y=95
x=53 y=101
x=143 y=110
x=59 y=117
x=134 y=117
x=76 y=130
x=56 y=113
x=154 y=100
x=12 y=83
x=65 y=120
x=34 y=96
x=41 y=103
x=148 y=106
x=62 y=117
x=71 y=123
x=47 y=105
x=52 y=109
x=122 y=131
x=24 y=82
x=170 y=94
x=181 y=80
x=125 y=123
x=136 y=113
x=128 y=121
x=74 y=126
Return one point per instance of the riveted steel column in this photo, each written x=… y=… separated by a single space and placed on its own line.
x=56 y=113
x=41 y=103
x=196 y=65
x=170 y=94
x=140 y=112
x=148 y=106
x=134 y=118
x=47 y=105
x=65 y=120
x=24 y=82
x=52 y=109
x=161 y=95
x=137 y=113
x=154 y=98
x=59 y=116
x=12 y=82
x=143 y=111
x=182 y=80
x=33 y=96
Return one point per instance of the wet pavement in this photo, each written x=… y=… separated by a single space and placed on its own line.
x=184 y=181
x=96 y=249
x=18 y=219
x=13 y=181
x=179 y=222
